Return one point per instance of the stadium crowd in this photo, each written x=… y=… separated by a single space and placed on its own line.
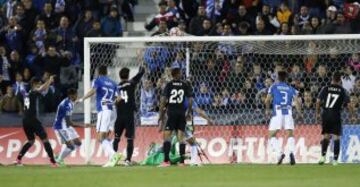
x=44 y=37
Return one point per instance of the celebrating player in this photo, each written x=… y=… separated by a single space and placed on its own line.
x=105 y=90
x=331 y=99
x=282 y=96
x=31 y=123
x=189 y=131
x=173 y=100
x=125 y=111
x=63 y=126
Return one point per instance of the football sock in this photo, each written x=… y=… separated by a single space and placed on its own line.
x=65 y=151
x=336 y=149
x=324 y=146
x=116 y=144
x=166 y=146
x=275 y=145
x=194 y=154
x=106 y=145
x=49 y=151
x=182 y=147
x=24 y=149
x=291 y=144
x=129 y=149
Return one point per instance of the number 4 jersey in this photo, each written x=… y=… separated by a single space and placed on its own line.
x=333 y=98
x=31 y=105
x=175 y=92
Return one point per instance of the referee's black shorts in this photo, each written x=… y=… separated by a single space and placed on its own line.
x=125 y=122
x=331 y=124
x=33 y=127
x=176 y=121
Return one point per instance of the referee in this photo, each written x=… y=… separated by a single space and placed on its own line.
x=331 y=99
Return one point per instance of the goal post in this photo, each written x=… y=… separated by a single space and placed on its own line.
x=268 y=52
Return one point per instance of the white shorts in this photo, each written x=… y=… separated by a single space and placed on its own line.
x=66 y=135
x=105 y=121
x=280 y=121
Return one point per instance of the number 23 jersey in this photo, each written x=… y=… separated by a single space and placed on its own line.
x=175 y=92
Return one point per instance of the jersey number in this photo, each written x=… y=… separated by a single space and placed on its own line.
x=176 y=96
x=109 y=94
x=124 y=96
x=26 y=103
x=331 y=100
x=284 y=98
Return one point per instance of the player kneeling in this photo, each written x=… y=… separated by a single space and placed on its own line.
x=63 y=126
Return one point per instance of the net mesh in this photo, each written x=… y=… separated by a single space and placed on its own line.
x=231 y=79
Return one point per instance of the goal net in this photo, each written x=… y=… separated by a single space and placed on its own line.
x=230 y=77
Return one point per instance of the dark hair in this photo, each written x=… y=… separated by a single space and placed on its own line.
x=337 y=77
x=71 y=91
x=175 y=72
x=102 y=70
x=162 y=3
x=34 y=80
x=124 y=73
x=282 y=76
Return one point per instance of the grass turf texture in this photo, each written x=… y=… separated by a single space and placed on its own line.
x=206 y=176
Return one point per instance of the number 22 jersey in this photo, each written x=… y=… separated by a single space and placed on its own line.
x=105 y=93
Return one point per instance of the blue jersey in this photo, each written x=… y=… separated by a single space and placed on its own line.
x=64 y=110
x=105 y=93
x=283 y=96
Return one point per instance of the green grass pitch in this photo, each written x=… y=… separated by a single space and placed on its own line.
x=207 y=176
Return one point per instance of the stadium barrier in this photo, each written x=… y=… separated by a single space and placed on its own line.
x=223 y=144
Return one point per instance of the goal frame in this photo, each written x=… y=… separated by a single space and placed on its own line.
x=89 y=40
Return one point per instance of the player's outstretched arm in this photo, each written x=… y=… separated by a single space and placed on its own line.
x=46 y=85
x=203 y=114
x=162 y=112
x=297 y=101
x=87 y=95
x=267 y=105
x=318 y=103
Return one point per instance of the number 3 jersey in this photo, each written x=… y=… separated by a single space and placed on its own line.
x=283 y=96
x=332 y=99
x=105 y=93
x=176 y=91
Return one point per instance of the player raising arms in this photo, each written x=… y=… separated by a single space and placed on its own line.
x=63 y=126
x=105 y=90
x=282 y=96
x=173 y=102
x=31 y=123
x=331 y=99
x=125 y=111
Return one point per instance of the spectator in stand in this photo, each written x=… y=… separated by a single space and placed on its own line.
x=271 y=22
x=95 y=30
x=356 y=89
x=6 y=71
x=84 y=24
x=354 y=102
x=50 y=97
x=49 y=17
x=27 y=76
x=13 y=35
x=319 y=79
x=348 y=79
x=261 y=29
x=297 y=76
x=272 y=3
x=66 y=38
x=161 y=30
x=225 y=97
x=217 y=102
x=172 y=8
x=51 y=63
x=243 y=29
x=227 y=30
x=340 y=26
x=196 y=22
x=308 y=101
x=241 y=16
x=10 y=103
x=204 y=97
x=354 y=62
x=206 y=29
x=111 y=25
x=16 y=64
x=19 y=87
x=148 y=99
x=330 y=16
x=156 y=58
x=23 y=21
x=30 y=13
x=39 y=36
x=311 y=60
x=163 y=15
x=314 y=27
x=284 y=29
x=263 y=92
x=250 y=94
x=235 y=79
x=214 y=10
x=257 y=76
x=9 y=8
x=283 y=14
x=68 y=75
x=316 y=7
x=304 y=16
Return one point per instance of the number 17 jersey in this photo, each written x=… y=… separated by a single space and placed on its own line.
x=176 y=91
x=333 y=98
